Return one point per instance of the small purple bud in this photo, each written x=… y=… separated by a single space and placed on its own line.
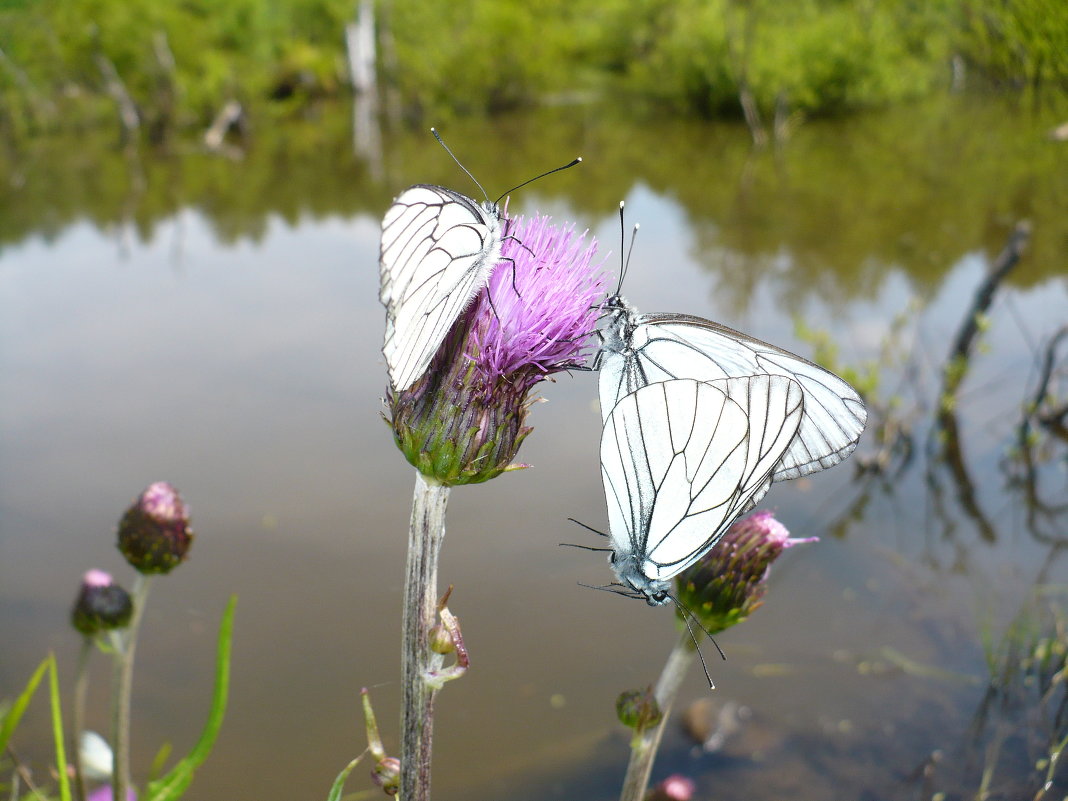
x=673 y=788
x=154 y=534
x=638 y=709
x=104 y=793
x=386 y=774
x=728 y=584
x=101 y=605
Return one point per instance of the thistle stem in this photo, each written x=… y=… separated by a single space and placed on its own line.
x=425 y=535
x=81 y=687
x=122 y=689
x=644 y=746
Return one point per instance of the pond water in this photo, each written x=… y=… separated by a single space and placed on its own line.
x=214 y=322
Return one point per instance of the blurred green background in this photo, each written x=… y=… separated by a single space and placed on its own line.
x=181 y=61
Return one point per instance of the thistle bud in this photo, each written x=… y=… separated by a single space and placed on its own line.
x=673 y=788
x=638 y=709
x=728 y=584
x=154 y=534
x=386 y=774
x=463 y=420
x=101 y=605
x=105 y=793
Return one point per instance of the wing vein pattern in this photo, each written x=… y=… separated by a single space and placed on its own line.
x=681 y=459
x=643 y=349
x=438 y=249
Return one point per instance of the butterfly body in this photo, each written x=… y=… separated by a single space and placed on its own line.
x=439 y=248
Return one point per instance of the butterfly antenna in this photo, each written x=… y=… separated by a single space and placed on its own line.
x=458 y=164
x=701 y=656
x=588 y=528
x=583 y=547
x=615 y=589
x=687 y=616
x=624 y=262
x=537 y=178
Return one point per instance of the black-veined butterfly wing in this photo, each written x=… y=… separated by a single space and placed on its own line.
x=438 y=250
x=640 y=349
x=681 y=460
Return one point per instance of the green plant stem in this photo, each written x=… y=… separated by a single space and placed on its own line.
x=123 y=685
x=644 y=746
x=425 y=535
x=81 y=687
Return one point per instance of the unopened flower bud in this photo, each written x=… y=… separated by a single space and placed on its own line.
x=441 y=641
x=154 y=534
x=638 y=709
x=729 y=582
x=673 y=788
x=101 y=605
x=386 y=774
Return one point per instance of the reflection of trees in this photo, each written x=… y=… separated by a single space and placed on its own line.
x=1019 y=729
x=1039 y=431
x=837 y=206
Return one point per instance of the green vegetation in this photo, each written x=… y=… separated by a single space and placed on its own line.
x=65 y=63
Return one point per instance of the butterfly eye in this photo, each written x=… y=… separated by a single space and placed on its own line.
x=657 y=598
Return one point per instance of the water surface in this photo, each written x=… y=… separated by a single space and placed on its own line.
x=215 y=323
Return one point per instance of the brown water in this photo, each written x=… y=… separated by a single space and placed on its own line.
x=215 y=323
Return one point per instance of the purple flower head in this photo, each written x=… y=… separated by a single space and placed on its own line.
x=154 y=534
x=464 y=420
x=540 y=305
x=730 y=581
x=101 y=604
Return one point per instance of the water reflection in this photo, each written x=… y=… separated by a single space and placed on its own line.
x=217 y=325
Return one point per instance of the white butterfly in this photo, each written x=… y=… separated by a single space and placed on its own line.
x=681 y=460
x=438 y=250
x=641 y=349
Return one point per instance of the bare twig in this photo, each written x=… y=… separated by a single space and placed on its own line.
x=954 y=371
x=229 y=115
x=128 y=114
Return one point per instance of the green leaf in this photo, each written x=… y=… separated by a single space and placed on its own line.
x=159 y=761
x=175 y=783
x=339 y=783
x=57 y=730
x=11 y=720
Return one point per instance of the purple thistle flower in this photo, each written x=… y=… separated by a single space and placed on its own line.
x=537 y=326
x=464 y=420
x=729 y=582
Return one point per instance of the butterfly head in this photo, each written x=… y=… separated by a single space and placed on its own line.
x=492 y=209
x=618 y=322
x=627 y=567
